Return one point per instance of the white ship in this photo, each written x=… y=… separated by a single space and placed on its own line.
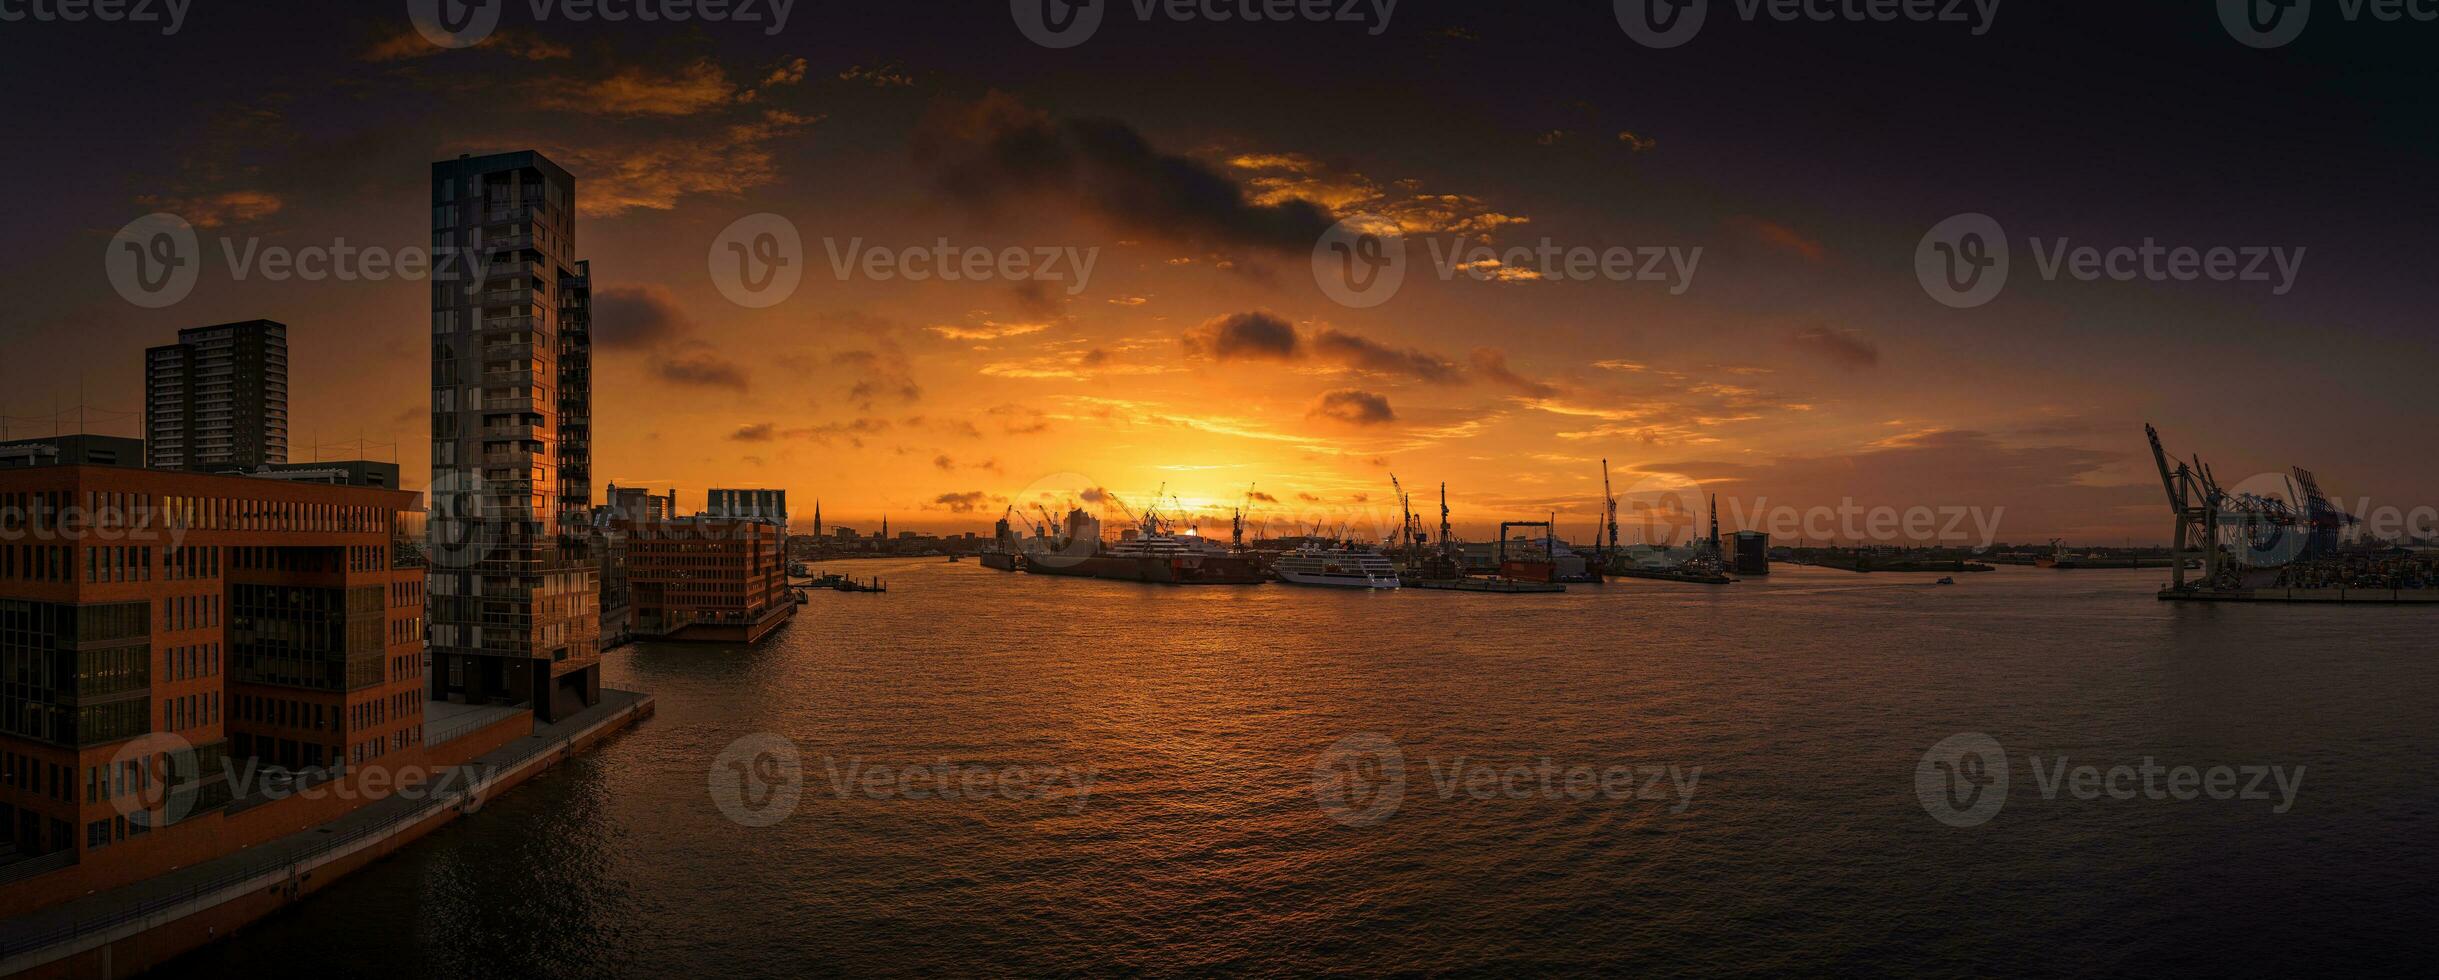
x=1345 y=567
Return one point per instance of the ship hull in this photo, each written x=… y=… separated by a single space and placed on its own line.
x=1199 y=570
x=1340 y=581
x=1000 y=560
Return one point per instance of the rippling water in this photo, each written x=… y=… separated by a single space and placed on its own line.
x=1798 y=706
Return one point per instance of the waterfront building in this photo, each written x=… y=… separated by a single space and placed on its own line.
x=515 y=592
x=218 y=398
x=163 y=633
x=719 y=579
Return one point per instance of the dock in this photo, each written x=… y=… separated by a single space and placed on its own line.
x=2333 y=596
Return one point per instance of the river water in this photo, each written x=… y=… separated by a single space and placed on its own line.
x=1006 y=774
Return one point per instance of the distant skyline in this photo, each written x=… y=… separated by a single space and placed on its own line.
x=1794 y=360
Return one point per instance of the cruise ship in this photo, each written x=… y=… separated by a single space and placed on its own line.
x=1345 y=566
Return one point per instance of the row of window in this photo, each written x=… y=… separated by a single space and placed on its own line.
x=27 y=774
x=187 y=711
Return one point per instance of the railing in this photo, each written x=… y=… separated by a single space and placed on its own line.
x=145 y=909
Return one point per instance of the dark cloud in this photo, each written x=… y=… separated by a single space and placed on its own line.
x=1845 y=348
x=1338 y=346
x=1353 y=406
x=994 y=154
x=883 y=375
x=700 y=368
x=1491 y=365
x=961 y=503
x=1019 y=420
x=942 y=461
x=1259 y=497
x=1255 y=336
x=756 y=432
x=637 y=317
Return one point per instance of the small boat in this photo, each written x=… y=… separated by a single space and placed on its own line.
x=1946 y=580
x=953 y=559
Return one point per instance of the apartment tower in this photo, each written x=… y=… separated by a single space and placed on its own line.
x=217 y=400
x=515 y=592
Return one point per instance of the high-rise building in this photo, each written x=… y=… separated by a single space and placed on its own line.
x=218 y=398
x=515 y=592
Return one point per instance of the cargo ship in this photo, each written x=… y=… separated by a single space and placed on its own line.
x=1154 y=553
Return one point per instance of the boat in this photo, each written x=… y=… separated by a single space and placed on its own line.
x=1345 y=566
x=1945 y=580
x=953 y=559
x=1154 y=553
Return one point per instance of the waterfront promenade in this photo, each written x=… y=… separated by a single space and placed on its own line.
x=142 y=925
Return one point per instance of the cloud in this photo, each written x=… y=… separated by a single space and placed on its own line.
x=218 y=209
x=1259 y=497
x=618 y=174
x=1340 y=347
x=1845 y=348
x=637 y=316
x=1353 y=406
x=1278 y=178
x=1257 y=336
x=853 y=432
x=408 y=44
x=637 y=91
x=943 y=462
x=883 y=374
x=886 y=75
x=961 y=503
x=700 y=367
x=988 y=330
x=997 y=153
x=755 y=432
x=1491 y=365
x=1019 y=420
x=1779 y=236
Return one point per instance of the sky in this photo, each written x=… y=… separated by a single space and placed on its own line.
x=1768 y=340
